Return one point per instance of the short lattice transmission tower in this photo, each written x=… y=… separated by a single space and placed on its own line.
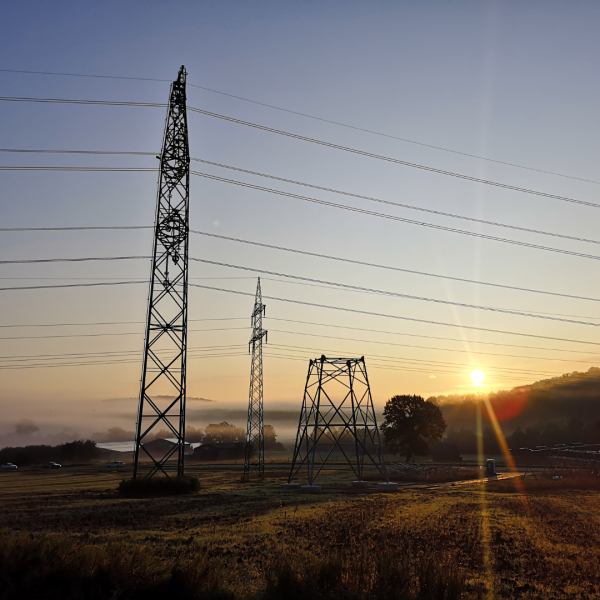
x=254 y=464
x=162 y=391
x=337 y=423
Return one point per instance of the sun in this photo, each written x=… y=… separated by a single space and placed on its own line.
x=477 y=377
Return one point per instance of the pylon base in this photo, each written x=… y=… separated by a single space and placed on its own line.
x=360 y=484
x=289 y=486
x=310 y=489
x=387 y=486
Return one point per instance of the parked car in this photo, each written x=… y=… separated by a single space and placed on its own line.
x=8 y=467
x=115 y=464
x=52 y=465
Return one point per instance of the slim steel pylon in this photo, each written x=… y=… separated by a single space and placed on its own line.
x=162 y=390
x=337 y=419
x=254 y=463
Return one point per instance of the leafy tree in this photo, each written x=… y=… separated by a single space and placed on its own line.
x=409 y=421
x=223 y=432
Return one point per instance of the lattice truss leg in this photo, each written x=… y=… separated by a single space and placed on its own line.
x=337 y=420
x=162 y=393
x=254 y=463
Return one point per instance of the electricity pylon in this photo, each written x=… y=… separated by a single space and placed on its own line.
x=254 y=463
x=162 y=390
x=337 y=417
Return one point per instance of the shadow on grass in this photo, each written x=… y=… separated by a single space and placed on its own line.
x=158 y=486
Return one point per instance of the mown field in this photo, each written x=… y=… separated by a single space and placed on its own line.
x=67 y=534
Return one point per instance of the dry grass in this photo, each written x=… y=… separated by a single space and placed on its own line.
x=73 y=536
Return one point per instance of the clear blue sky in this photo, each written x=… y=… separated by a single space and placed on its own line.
x=512 y=81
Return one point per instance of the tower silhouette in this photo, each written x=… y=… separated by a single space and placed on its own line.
x=254 y=463
x=162 y=390
x=337 y=421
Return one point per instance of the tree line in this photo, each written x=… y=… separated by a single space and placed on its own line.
x=79 y=451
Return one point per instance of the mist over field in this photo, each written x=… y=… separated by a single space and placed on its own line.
x=557 y=401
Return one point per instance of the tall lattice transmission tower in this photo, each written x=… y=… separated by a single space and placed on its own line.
x=338 y=423
x=254 y=463
x=162 y=391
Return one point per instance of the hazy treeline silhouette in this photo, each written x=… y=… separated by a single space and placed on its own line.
x=557 y=400
x=78 y=451
x=214 y=433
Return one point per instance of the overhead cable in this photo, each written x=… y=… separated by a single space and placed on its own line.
x=371 y=213
x=86 y=259
x=304 y=184
x=68 y=285
x=302 y=114
x=394 y=160
x=398 y=204
x=302 y=252
x=114 y=323
x=311 y=140
x=387 y=316
x=470 y=352
x=396 y=294
x=428 y=337
x=79 y=335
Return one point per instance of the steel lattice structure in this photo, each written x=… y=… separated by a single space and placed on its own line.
x=162 y=392
x=337 y=415
x=254 y=463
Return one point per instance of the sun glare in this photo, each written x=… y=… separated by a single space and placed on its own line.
x=477 y=377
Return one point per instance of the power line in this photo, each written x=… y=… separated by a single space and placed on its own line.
x=362 y=329
x=83 y=169
x=311 y=140
x=114 y=362
x=255 y=270
x=400 y=205
x=302 y=114
x=376 y=366
x=356 y=288
x=333 y=287
x=371 y=213
x=293 y=250
x=322 y=203
x=27 y=357
x=115 y=323
x=93 y=152
x=83 y=356
x=393 y=160
x=418 y=362
x=388 y=267
x=85 y=75
x=93 y=102
x=428 y=337
x=301 y=183
x=68 y=285
x=78 y=335
x=470 y=352
x=78 y=228
x=86 y=259
x=374 y=314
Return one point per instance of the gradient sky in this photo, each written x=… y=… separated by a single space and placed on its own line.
x=511 y=81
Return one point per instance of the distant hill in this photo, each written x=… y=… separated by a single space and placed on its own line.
x=558 y=400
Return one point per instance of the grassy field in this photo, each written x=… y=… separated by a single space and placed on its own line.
x=67 y=534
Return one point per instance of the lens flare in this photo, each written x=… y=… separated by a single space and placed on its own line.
x=477 y=377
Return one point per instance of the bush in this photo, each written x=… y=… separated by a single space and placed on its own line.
x=158 y=486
